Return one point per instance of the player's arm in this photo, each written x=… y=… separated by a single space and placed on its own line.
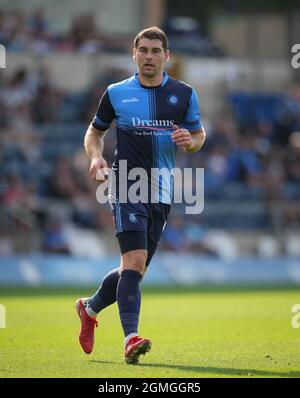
x=190 y=142
x=94 y=137
x=94 y=146
x=190 y=135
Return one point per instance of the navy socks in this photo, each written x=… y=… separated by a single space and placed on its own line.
x=106 y=294
x=126 y=290
x=129 y=300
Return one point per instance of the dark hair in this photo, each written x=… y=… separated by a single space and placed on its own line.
x=152 y=33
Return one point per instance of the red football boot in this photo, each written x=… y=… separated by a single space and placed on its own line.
x=135 y=347
x=88 y=324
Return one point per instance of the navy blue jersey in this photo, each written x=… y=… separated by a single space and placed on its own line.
x=144 y=118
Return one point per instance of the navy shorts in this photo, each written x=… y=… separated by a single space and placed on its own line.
x=139 y=226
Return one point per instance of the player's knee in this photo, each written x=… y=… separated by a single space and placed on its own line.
x=135 y=261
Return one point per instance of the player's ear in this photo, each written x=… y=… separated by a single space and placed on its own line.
x=134 y=54
x=167 y=55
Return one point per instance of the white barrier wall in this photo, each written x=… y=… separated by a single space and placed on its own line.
x=166 y=269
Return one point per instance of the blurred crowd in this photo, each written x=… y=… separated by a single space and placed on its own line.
x=251 y=157
x=33 y=33
x=43 y=164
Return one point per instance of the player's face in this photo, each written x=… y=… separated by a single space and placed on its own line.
x=150 y=57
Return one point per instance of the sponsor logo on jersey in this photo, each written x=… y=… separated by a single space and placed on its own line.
x=133 y=99
x=132 y=218
x=137 y=122
x=173 y=100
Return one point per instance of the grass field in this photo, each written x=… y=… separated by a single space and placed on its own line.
x=195 y=333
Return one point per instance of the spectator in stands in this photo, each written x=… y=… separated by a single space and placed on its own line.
x=288 y=114
x=16 y=97
x=16 y=31
x=54 y=239
x=85 y=35
x=15 y=192
x=243 y=163
x=48 y=99
x=216 y=166
x=292 y=158
x=37 y=23
x=173 y=238
x=195 y=234
x=62 y=184
x=6 y=244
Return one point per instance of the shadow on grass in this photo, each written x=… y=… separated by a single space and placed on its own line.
x=202 y=370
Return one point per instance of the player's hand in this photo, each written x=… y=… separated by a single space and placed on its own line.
x=182 y=138
x=98 y=170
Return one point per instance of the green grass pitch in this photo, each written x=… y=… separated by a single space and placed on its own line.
x=194 y=333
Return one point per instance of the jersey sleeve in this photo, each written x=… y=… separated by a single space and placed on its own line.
x=192 y=120
x=105 y=114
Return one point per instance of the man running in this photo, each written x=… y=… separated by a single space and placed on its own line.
x=154 y=115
